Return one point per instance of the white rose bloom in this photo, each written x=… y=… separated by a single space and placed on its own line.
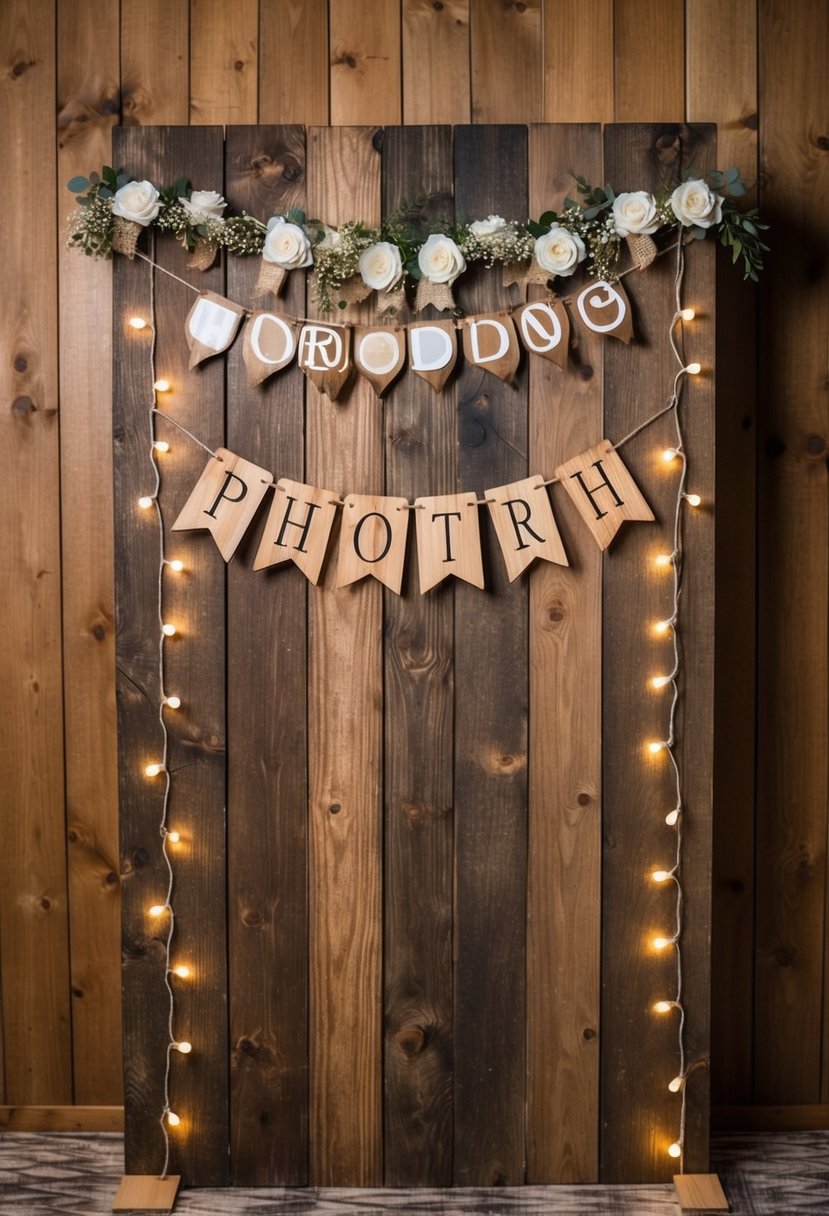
x=559 y=251
x=380 y=266
x=440 y=260
x=635 y=212
x=204 y=205
x=287 y=245
x=137 y=201
x=489 y=226
x=695 y=203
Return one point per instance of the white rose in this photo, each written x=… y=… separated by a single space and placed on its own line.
x=694 y=203
x=204 y=205
x=137 y=201
x=489 y=226
x=287 y=245
x=440 y=260
x=635 y=212
x=559 y=251
x=380 y=265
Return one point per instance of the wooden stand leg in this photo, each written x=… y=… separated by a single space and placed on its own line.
x=700 y=1193
x=146 y=1193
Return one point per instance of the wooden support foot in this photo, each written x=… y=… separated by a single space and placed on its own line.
x=146 y=1193
x=700 y=1193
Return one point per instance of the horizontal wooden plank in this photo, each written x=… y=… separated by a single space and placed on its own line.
x=62 y=1118
x=801 y=1118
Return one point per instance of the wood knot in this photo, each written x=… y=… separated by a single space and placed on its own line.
x=584 y=799
x=437 y=5
x=239 y=65
x=815 y=445
x=505 y=764
x=22 y=66
x=784 y=956
x=21 y=363
x=334 y=808
x=253 y=920
x=586 y=371
x=140 y=859
x=292 y=171
x=751 y=121
x=261 y=162
x=823 y=143
x=588 y=1034
x=414 y=812
x=23 y=405
x=45 y=903
x=411 y=1040
x=110 y=879
x=78 y=993
x=556 y=613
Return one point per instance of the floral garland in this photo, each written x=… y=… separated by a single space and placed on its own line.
x=350 y=261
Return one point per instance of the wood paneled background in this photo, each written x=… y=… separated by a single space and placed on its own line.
x=72 y=70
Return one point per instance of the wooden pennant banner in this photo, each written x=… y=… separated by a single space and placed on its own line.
x=297 y=528
x=379 y=354
x=373 y=540
x=269 y=345
x=433 y=350
x=490 y=341
x=605 y=308
x=603 y=490
x=525 y=524
x=224 y=500
x=211 y=326
x=448 y=540
x=325 y=356
x=544 y=327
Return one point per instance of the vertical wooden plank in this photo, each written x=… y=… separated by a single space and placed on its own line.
x=578 y=61
x=344 y=451
x=88 y=105
x=224 y=47
x=650 y=60
x=640 y=1118
x=365 y=61
x=267 y=776
x=563 y=898
x=507 y=67
x=293 y=61
x=435 y=61
x=490 y=727
x=195 y=671
x=722 y=87
x=794 y=542
x=33 y=912
x=154 y=61
x=420 y=459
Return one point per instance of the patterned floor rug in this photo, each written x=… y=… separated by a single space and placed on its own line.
x=78 y=1175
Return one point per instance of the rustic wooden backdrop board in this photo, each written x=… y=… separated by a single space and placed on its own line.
x=418 y=829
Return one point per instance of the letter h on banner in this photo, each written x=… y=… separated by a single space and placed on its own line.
x=603 y=491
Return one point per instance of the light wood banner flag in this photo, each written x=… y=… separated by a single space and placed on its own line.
x=603 y=490
x=448 y=539
x=525 y=524
x=224 y=500
x=373 y=540
x=297 y=528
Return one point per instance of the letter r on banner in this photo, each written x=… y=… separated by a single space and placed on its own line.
x=603 y=490
x=525 y=525
x=224 y=500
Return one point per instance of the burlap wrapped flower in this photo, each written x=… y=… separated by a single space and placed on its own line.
x=559 y=251
x=286 y=247
x=696 y=205
x=440 y=261
x=135 y=206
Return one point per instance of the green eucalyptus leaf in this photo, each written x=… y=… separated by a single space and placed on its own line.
x=104 y=192
x=737 y=189
x=78 y=184
x=732 y=175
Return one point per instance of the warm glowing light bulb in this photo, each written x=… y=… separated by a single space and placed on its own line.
x=161 y=445
x=174 y=837
x=669 y=454
x=676 y=1085
x=173 y=702
x=168 y=630
x=663 y=1006
x=182 y=971
x=663 y=559
x=660 y=681
x=694 y=369
x=137 y=323
x=184 y=1047
x=163 y=386
x=687 y=314
x=672 y=817
x=662 y=626
x=145 y=502
x=657 y=746
x=661 y=875
x=158 y=909
x=152 y=770
x=660 y=943
x=177 y=564
x=675 y=1149
x=172 y=1118
x=693 y=500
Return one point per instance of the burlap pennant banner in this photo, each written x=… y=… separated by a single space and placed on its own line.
x=603 y=490
x=379 y=355
x=269 y=345
x=605 y=309
x=324 y=354
x=373 y=540
x=211 y=326
x=490 y=342
x=297 y=528
x=448 y=540
x=525 y=525
x=224 y=500
x=433 y=350
x=544 y=327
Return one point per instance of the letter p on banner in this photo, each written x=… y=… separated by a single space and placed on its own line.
x=603 y=490
x=224 y=500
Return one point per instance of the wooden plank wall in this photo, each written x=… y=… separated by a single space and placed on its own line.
x=71 y=71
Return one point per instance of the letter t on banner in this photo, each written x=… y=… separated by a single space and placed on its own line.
x=603 y=490
x=224 y=500
x=448 y=540
x=525 y=524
